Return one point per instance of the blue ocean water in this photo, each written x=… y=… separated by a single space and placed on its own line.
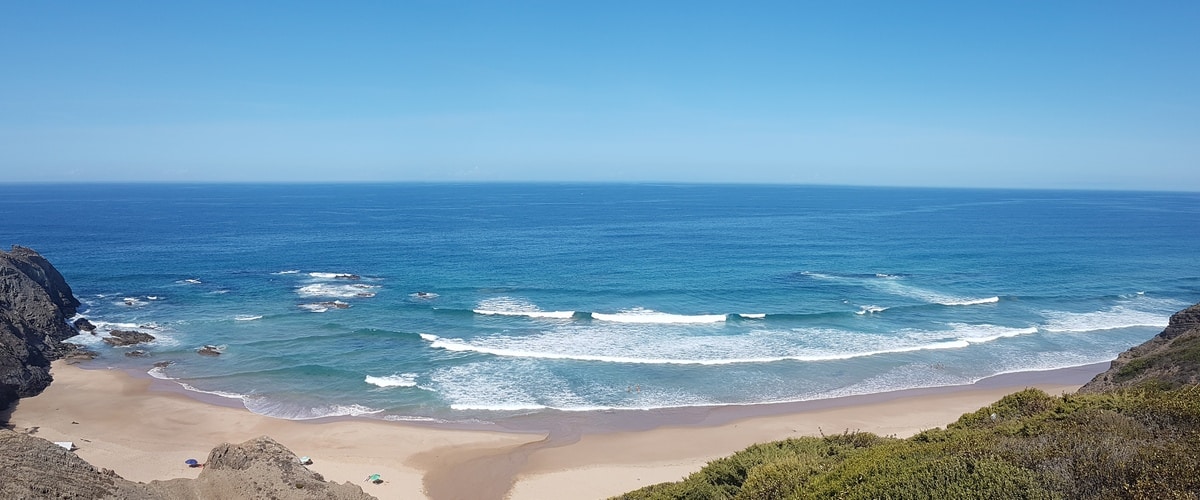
x=466 y=302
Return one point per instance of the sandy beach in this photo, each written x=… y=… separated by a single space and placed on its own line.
x=144 y=429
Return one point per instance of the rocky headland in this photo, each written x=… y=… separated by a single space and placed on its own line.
x=35 y=303
x=1170 y=359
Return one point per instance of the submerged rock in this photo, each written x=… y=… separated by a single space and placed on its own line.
x=138 y=353
x=209 y=350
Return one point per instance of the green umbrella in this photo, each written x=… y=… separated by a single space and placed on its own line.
x=374 y=478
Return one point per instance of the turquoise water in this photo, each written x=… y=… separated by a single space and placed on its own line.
x=476 y=302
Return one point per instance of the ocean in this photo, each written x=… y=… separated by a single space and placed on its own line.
x=479 y=302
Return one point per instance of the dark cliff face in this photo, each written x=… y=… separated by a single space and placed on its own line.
x=35 y=302
x=1169 y=359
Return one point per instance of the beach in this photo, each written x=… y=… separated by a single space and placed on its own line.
x=144 y=429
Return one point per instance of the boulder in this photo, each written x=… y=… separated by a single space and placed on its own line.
x=120 y=338
x=83 y=325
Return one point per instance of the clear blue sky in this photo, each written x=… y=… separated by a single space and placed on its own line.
x=1088 y=94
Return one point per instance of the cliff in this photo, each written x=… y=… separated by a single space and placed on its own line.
x=35 y=302
x=1168 y=360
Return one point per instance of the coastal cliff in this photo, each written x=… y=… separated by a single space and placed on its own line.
x=1170 y=359
x=35 y=302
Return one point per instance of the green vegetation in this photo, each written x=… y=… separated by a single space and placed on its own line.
x=1171 y=365
x=1139 y=442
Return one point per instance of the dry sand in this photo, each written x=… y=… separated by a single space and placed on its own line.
x=144 y=429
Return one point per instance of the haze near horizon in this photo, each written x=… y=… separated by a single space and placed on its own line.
x=1082 y=95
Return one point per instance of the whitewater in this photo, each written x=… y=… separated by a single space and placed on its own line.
x=478 y=302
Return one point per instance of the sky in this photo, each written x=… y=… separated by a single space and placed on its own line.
x=1005 y=94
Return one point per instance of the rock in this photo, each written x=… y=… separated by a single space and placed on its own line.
x=163 y=364
x=137 y=353
x=348 y=277
x=1169 y=359
x=259 y=468
x=35 y=302
x=209 y=350
x=32 y=467
x=119 y=338
x=83 y=325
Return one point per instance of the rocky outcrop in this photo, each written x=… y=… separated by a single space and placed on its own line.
x=121 y=338
x=259 y=468
x=35 y=302
x=32 y=467
x=1169 y=359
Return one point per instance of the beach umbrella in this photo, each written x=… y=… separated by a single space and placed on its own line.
x=192 y=462
x=375 y=478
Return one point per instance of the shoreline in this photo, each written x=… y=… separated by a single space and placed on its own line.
x=589 y=454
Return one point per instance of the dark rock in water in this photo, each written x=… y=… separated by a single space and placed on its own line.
x=209 y=350
x=83 y=325
x=336 y=304
x=137 y=354
x=163 y=364
x=348 y=277
x=1169 y=359
x=35 y=302
x=118 y=338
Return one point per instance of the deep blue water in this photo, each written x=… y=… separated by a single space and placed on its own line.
x=477 y=301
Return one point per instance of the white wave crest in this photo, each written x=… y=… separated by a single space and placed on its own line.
x=528 y=314
x=971 y=302
x=246 y=317
x=511 y=306
x=320 y=307
x=289 y=411
x=1112 y=318
x=394 y=380
x=289 y=271
x=639 y=315
x=339 y=291
x=978 y=334
x=870 y=310
x=753 y=315
x=461 y=346
x=330 y=276
x=159 y=372
x=230 y=395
